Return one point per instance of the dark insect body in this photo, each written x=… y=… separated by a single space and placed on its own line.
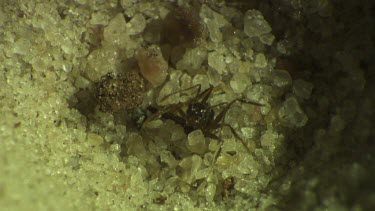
x=199 y=114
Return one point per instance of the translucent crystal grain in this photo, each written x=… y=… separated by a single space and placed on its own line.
x=268 y=139
x=126 y=3
x=64 y=65
x=192 y=59
x=234 y=116
x=135 y=145
x=291 y=113
x=239 y=82
x=177 y=133
x=197 y=142
x=115 y=33
x=136 y=25
x=260 y=61
x=282 y=47
x=281 y=78
x=170 y=87
x=155 y=124
x=168 y=158
x=21 y=46
x=94 y=139
x=214 y=77
x=225 y=161
x=201 y=79
x=190 y=166
x=302 y=89
x=202 y=173
x=245 y=67
x=216 y=61
x=210 y=192
x=267 y=39
x=201 y=189
x=245 y=186
x=98 y=18
x=220 y=98
x=170 y=185
x=214 y=145
x=214 y=21
x=156 y=185
x=40 y=64
x=231 y=145
x=185 y=81
x=248 y=132
x=137 y=186
x=73 y=162
x=102 y=61
x=184 y=187
x=208 y=159
x=248 y=166
x=167 y=89
x=255 y=24
x=259 y=93
x=115 y=148
x=100 y=158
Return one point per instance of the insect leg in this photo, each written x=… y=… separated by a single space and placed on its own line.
x=223 y=112
x=235 y=135
x=198 y=86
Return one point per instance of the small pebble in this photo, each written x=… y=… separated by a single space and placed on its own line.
x=152 y=65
